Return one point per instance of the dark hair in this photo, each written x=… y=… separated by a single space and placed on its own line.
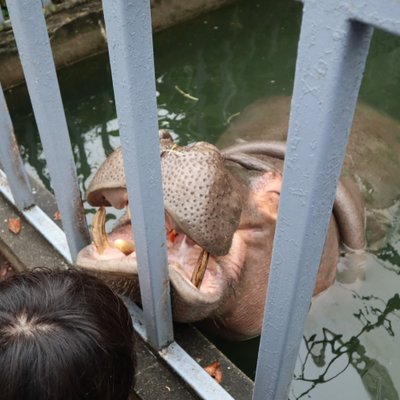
x=64 y=335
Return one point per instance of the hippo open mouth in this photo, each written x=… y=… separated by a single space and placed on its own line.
x=115 y=253
x=203 y=205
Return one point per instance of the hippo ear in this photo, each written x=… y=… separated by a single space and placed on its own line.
x=350 y=215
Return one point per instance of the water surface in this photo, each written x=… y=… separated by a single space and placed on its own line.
x=207 y=71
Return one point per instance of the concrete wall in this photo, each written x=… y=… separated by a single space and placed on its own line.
x=76 y=30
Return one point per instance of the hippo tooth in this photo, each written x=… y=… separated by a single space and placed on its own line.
x=125 y=246
x=200 y=269
x=99 y=231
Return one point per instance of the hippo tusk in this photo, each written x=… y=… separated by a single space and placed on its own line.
x=99 y=231
x=200 y=269
x=100 y=239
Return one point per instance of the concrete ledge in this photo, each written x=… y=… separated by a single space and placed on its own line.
x=28 y=249
x=234 y=381
x=154 y=378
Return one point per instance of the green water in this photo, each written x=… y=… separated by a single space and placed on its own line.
x=226 y=61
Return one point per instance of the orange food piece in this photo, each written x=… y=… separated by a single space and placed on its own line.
x=171 y=235
x=214 y=370
x=14 y=225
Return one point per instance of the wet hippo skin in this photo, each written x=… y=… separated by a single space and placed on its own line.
x=221 y=210
x=371 y=159
x=371 y=162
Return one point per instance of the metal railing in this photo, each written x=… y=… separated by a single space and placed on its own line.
x=45 y=3
x=141 y=154
x=333 y=47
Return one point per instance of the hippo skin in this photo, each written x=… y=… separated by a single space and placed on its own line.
x=223 y=204
x=371 y=162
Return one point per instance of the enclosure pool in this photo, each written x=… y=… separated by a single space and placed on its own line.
x=208 y=70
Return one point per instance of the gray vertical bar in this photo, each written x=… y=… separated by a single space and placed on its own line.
x=11 y=159
x=33 y=44
x=129 y=38
x=1 y=16
x=331 y=58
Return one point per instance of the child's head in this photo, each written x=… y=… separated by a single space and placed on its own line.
x=63 y=335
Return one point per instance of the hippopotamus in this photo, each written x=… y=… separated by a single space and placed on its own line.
x=220 y=214
x=371 y=162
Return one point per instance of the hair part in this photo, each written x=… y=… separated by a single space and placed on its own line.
x=63 y=335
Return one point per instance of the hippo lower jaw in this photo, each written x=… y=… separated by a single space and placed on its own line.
x=121 y=270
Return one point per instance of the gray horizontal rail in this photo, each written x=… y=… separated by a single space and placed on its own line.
x=40 y=221
x=181 y=362
x=330 y=64
x=11 y=161
x=383 y=14
x=33 y=44
x=129 y=39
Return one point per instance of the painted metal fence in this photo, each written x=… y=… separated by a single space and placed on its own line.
x=45 y=3
x=333 y=47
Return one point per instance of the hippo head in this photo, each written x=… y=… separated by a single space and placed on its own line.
x=203 y=204
x=220 y=215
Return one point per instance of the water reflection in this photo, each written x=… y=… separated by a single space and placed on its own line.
x=327 y=355
x=351 y=335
